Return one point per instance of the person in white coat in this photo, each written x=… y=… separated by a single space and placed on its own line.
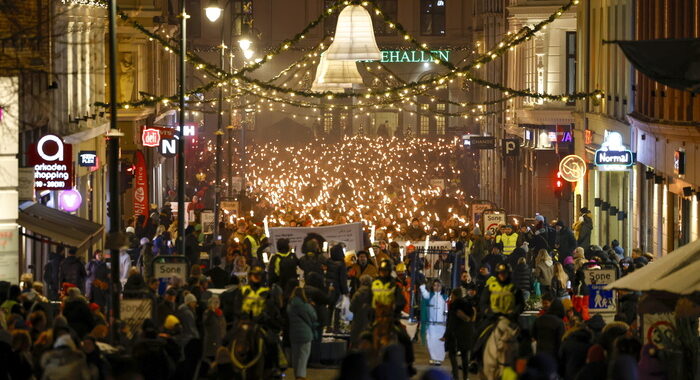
x=124 y=265
x=436 y=311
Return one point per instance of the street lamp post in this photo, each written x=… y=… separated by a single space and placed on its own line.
x=213 y=11
x=113 y=164
x=181 y=135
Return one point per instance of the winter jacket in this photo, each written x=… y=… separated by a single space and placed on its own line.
x=573 y=350
x=124 y=266
x=548 y=330
x=522 y=277
x=544 y=272
x=584 y=232
x=51 y=271
x=311 y=263
x=361 y=307
x=557 y=289
x=214 y=329
x=302 y=321
x=189 y=325
x=628 y=306
x=338 y=258
x=72 y=271
x=78 y=315
x=459 y=334
x=316 y=292
x=282 y=268
x=566 y=241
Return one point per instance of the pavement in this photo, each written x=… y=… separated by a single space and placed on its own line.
x=422 y=364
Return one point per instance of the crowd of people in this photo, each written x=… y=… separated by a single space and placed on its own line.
x=242 y=311
x=59 y=328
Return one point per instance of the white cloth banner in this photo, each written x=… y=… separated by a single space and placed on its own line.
x=349 y=234
x=432 y=244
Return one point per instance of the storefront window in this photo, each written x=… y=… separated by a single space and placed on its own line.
x=432 y=20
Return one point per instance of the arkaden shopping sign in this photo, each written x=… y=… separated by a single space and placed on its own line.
x=53 y=163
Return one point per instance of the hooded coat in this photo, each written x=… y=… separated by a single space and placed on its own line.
x=572 y=353
x=544 y=271
x=548 y=329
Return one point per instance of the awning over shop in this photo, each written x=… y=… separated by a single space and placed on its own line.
x=675 y=273
x=59 y=226
x=673 y=62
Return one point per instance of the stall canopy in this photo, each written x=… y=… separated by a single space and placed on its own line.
x=675 y=273
x=59 y=226
x=673 y=62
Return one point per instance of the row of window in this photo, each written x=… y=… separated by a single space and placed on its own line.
x=432 y=20
x=432 y=17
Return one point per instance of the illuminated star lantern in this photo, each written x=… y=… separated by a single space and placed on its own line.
x=354 y=37
x=335 y=76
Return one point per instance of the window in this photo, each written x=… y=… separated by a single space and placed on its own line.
x=389 y=7
x=424 y=125
x=327 y=123
x=432 y=17
x=441 y=106
x=440 y=125
x=243 y=16
x=570 y=62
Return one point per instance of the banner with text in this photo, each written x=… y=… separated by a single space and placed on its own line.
x=141 y=206
x=349 y=234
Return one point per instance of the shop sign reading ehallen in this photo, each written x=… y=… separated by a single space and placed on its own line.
x=53 y=163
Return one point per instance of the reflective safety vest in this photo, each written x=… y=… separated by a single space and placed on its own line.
x=509 y=242
x=382 y=293
x=502 y=297
x=253 y=245
x=277 y=262
x=254 y=301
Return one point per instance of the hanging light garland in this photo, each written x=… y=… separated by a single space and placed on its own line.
x=508 y=43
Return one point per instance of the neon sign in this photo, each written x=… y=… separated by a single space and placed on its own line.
x=613 y=155
x=414 y=56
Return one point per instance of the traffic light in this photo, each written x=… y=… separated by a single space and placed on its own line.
x=558 y=185
x=127 y=174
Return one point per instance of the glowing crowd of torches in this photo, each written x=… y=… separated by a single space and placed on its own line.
x=382 y=182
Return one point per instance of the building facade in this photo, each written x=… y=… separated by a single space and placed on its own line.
x=665 y=126
x=607 y=190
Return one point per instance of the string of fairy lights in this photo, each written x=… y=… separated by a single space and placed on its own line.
x=259 y=88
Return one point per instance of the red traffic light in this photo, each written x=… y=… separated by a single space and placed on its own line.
x=559 y=183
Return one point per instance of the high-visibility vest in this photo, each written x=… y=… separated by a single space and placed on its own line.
x=277 y=262
x=253 y=245
x=502 y=297
x=509 y=242
x=382 y=293
x=253 y=300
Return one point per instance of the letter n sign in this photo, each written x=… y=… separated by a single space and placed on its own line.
x=168 y=147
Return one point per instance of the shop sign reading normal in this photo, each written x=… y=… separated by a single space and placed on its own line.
x=613 y=155
x=52 y=160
